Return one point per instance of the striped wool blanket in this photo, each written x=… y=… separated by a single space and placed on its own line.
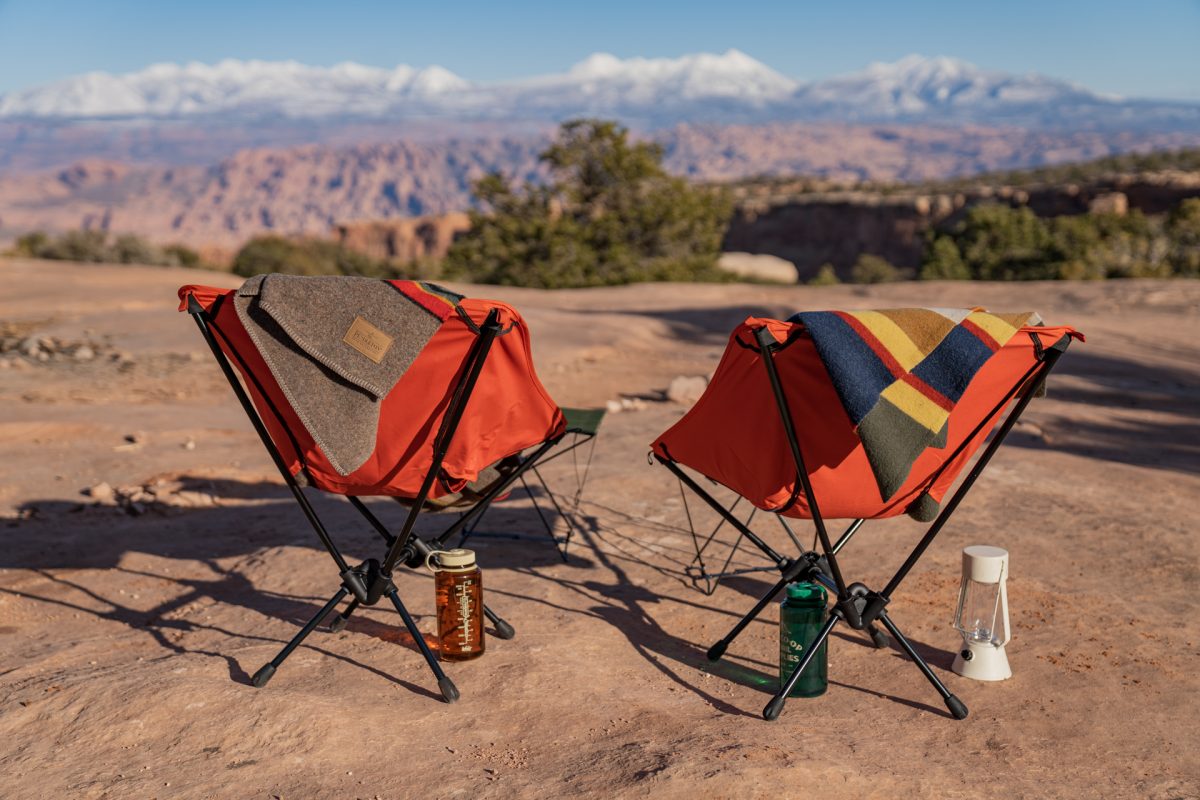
x=900 y=372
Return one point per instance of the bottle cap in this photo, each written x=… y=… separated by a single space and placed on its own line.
x=803 y=590
x=457 y=559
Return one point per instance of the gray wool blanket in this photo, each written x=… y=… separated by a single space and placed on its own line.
x=336 y=346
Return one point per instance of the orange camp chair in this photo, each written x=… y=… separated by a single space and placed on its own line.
x=772 y=428
x=469 y=400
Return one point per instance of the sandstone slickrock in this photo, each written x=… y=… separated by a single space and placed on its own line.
x=771 y=269
x=686 y=389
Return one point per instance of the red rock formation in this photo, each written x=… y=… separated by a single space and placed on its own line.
x=403 y=240
x=307 y=189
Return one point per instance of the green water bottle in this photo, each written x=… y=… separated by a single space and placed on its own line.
x=801 y=616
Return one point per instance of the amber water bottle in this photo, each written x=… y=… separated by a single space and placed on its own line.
x=458 y=594
x=801 y=616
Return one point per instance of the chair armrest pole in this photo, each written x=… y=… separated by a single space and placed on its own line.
x=1050 y=357
x=458 y=403
x=766 y=346
x=202 y=321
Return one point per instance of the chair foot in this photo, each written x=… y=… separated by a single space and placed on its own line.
x=261 y=677
x=448 y=689
x=717 y=650
x=337 y=624
x=957 y=709
x=774 y=708
x=879 y=638
x=503 y=629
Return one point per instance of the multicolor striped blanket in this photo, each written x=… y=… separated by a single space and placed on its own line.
x=899 y=373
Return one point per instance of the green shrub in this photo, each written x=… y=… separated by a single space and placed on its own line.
x=178 y=255
x=873 y=269
x=129 y=249
x=826 y=276
x=77 y=246
x=999 y=243
x=94 y=246
x=610 y=214
x=31 y=244
x=1183 y=229
x=943 y=262
x=996 y=242
x=264 y=254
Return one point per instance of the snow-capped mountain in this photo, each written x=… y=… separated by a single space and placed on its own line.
x=254 y=87
x=729 y=87
x=915 y=85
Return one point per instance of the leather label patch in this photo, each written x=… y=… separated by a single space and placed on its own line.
x=368 y=340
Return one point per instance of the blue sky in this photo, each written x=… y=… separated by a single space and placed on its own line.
x=1133 y=48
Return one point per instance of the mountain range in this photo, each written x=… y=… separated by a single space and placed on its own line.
x=213 y=154
x=731 y=87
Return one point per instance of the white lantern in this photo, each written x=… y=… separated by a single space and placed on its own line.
x=982 y=614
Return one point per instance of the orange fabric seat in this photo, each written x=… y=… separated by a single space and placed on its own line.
x=735 y=436
x=508 y=411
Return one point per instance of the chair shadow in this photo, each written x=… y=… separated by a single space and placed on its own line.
x=704 y=324
x=62 y=536
x=1115 y=383
x=52 y=537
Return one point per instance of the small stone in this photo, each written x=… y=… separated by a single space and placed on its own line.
x=101 y=493
x=1115 y=203
x=30 y=346
x=613 y=406
x=136 y=438
x=190 y=444
x=83 y=353
x=686 y=390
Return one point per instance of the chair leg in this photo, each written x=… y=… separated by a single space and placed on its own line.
x=338 y=623
x=718 y=649
x=878 y=637
x=447 y=687
x=503 y=629
x=264 y=674
x=774 y=708
x=957 y=709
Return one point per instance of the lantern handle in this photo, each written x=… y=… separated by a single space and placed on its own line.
x=1004 y=602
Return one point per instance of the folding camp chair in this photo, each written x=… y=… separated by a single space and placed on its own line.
x=454 y=412
x=772 y=428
